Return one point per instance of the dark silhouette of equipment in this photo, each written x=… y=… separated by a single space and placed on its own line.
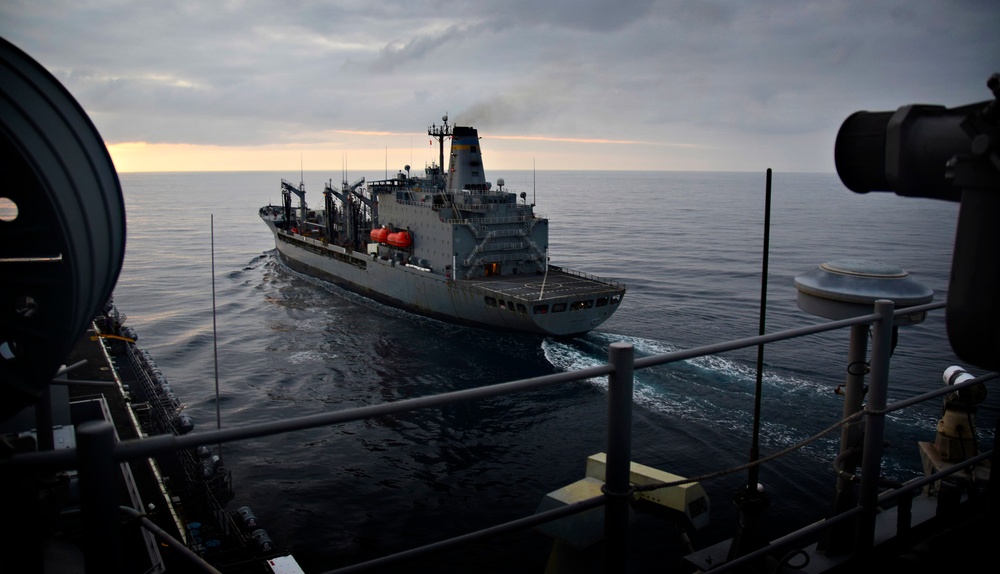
x=954 y=155
x=62 y=227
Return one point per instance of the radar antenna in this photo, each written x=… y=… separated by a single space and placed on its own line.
x=440 y=133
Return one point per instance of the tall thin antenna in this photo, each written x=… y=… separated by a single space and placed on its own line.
x=755 y=441
x=215 y=347
x=752 y=501
x=534 y=197
x=302 y=179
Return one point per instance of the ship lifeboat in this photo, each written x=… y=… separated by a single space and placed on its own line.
x=380 y=235
x=400 y=239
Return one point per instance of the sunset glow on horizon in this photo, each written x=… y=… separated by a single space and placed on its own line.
x=503 y=152
x=549 y=85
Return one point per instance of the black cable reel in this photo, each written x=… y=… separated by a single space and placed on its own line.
x=62 y=227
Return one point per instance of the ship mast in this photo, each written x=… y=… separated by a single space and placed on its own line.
x=440 y=133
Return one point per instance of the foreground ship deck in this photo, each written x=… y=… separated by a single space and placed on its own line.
x=178 y=497
x=945 y=519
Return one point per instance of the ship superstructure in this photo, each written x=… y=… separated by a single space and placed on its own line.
x=448 y=245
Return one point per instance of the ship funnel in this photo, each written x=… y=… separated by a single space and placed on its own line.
x=466 y=164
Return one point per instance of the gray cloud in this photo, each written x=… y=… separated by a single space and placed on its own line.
x=775 y=72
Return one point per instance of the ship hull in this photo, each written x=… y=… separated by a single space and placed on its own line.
x=487 y=303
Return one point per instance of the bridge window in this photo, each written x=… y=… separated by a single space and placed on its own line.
x=602 y=301
x=490 y=301
x=541 y=309
x=558 y=307
x=522 y=309
x=579 y=305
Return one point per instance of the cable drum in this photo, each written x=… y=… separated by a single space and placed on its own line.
x=62 y=226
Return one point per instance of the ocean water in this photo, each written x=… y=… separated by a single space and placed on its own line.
x=688 y=246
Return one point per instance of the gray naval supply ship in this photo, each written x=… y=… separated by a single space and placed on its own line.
x=445 y=245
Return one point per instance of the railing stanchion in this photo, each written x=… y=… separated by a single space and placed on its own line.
x=95 y=443
x=871 y=458
x=617 y=481
x=841 y=538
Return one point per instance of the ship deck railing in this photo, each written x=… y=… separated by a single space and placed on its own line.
x=493 y=256
x=491 y=220
x=611 y=282
x=466 y=207
x=96 y=451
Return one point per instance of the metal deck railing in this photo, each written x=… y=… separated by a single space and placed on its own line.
x=97 y=453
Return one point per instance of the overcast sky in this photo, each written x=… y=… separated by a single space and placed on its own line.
x=564 y=84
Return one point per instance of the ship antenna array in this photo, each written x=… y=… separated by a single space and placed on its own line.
x=440 y=133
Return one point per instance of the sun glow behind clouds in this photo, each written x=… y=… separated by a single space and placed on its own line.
x=159 y=157
x=588 y=85
x=390 y=151
x=594 y=141
x=148 y=157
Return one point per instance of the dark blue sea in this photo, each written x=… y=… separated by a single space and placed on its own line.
x=689 y=248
